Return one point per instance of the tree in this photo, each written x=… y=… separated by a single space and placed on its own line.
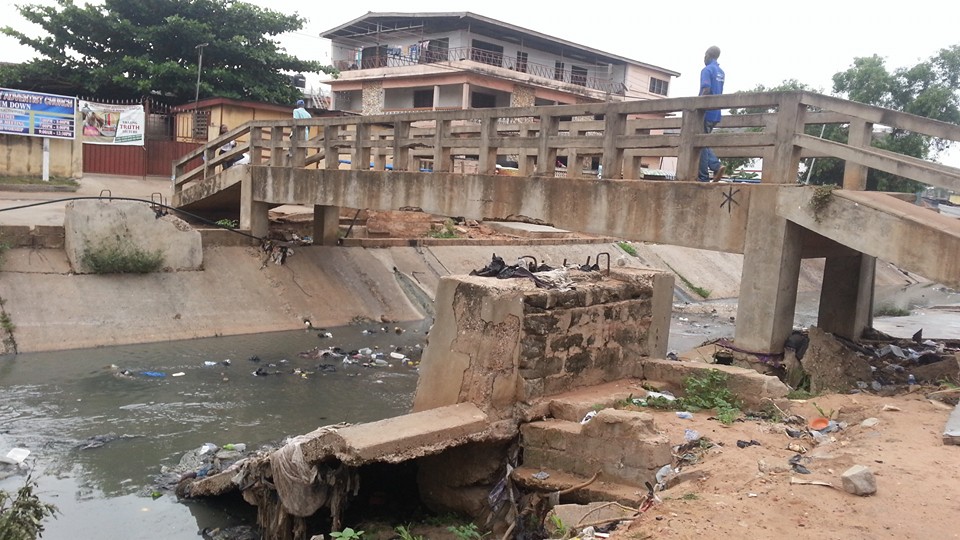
x=124 y=49
x=927 y=89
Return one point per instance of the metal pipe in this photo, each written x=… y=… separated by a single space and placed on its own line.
x=196 y=97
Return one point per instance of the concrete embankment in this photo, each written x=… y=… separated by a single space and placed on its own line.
x=235 y=293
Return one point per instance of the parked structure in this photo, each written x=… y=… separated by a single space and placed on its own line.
x=399 y=62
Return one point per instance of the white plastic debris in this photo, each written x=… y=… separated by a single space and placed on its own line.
x=16 y=456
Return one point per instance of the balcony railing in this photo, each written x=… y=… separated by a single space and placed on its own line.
x=431 y=56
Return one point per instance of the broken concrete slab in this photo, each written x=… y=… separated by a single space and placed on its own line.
x=551 y=480
x=401 y=438
x=574 y=405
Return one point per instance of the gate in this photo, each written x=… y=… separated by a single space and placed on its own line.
x=162 y=145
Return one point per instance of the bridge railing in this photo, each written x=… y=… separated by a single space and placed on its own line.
x=619 y=135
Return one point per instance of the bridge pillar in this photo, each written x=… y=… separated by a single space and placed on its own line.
x=326 y=225
x=846 y=298
x=254 y=215
x=771 y=272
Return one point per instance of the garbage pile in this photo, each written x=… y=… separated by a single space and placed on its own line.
x=543 y=275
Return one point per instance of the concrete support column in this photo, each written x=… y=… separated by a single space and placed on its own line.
x=465 y=100
x=436 y=96
x=326 y=225
x=253 y=214
x=846 y=298
x=771 y=271
x=860 y=135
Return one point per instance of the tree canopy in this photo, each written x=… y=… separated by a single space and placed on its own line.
x=124 y=49
x=928 y=89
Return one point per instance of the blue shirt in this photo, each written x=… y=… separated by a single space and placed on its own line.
x=711 y=75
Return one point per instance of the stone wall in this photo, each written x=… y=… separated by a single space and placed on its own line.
x=23 y=156
x=32 y=236
x=373 y=96
x=499 y=343
x=523 y=96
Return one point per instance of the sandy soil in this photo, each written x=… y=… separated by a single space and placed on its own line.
x=741 y=492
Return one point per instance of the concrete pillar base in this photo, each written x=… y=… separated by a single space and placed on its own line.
x=326 y=225
x=254 y=215
x=846 y=298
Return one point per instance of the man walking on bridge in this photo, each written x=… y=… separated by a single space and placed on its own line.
x=711 y=84
x=300 y=113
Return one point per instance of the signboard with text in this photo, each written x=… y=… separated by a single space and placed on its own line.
x=37 y=115
x=105 y=123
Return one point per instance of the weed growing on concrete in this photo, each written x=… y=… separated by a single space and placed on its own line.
x=709 y=391
x=228 y=223
x=559 y=525
x=21 y=516
x=121 y=259
x=800 y=393
x=448 y=230
x=704 y=293
x=820 y=200
x=628 y=248
x=4 y=247
x=891 y=311
x=6 y=323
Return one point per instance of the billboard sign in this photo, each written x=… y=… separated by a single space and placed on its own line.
x=37 y=115
x=105 y=123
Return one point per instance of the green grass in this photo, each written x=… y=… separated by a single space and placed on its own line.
x=122 y=259
x=800 y=394
x=38 y=181
x=708 y=391
x=628 y=248
x=704 y=293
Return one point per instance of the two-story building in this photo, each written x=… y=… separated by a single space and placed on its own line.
x=394 y=62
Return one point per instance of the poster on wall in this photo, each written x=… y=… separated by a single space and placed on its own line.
x=35 y=114
x=105 y=123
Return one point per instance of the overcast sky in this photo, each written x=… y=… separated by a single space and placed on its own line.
x=761 y=42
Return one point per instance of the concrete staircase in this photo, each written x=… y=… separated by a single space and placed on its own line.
x=623 y=448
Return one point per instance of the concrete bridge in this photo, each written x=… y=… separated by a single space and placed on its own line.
x=419 y=160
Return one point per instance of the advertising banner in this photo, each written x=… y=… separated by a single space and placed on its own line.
x=105 y=123
x=37 y=115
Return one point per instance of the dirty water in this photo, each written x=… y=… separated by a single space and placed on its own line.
x=99 y=426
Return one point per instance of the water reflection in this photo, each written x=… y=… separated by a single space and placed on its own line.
x=98 y=437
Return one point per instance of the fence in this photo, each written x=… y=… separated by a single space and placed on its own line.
x=163 y=144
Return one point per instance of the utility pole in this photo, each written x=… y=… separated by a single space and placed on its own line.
x=199 y=47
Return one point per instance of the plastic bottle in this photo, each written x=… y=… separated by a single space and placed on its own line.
x=911 y=379
x=684 y=414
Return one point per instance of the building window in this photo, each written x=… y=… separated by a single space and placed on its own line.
x=558 y=71
x=423 y=99
x=521 y=62
x=201 y=120
x=480 y=100
x=578 y=75
x=658 y=86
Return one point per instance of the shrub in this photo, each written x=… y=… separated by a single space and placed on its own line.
x=21 y=516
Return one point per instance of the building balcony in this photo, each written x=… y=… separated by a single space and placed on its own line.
x=478 y=60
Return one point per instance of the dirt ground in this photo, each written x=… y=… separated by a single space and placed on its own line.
x=740 y=492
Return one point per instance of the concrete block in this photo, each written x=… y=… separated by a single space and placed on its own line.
x=859 y=480
x=620 y=424
x=951 y=433
x=550 y=433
